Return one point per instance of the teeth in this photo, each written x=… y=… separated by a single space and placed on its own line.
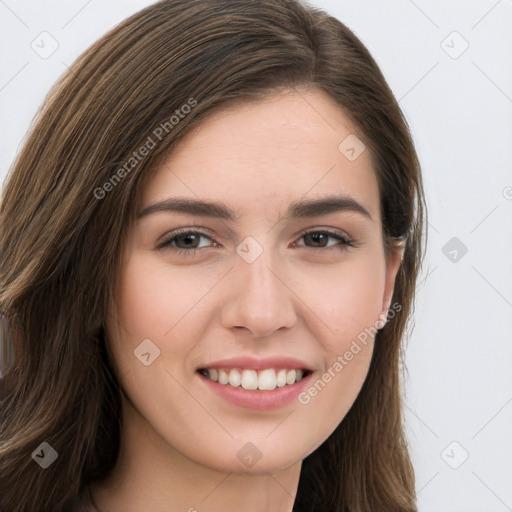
x=290 y=376
x=281 y=378
x=223 y=377
x=249 y=379
x=265 y=380
x=235 y=379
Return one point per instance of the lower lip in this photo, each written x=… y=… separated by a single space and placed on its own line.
x=259 y=400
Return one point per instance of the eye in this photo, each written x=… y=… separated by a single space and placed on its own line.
x=186 y=241
x=320 y=240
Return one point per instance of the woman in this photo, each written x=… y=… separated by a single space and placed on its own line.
x=210 y=243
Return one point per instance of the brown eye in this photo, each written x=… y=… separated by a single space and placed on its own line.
x=190 y=241
x=185 y=241
x=320 y=240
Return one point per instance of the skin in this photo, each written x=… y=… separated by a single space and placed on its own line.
x=298 y=298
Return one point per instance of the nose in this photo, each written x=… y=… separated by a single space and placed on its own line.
x=259 y=299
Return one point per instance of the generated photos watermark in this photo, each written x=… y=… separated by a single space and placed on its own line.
x=344 y=359
x=137 y=156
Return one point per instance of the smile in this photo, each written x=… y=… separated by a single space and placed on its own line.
x=267 y=379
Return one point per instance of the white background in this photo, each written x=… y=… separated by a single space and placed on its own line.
x=459 y=106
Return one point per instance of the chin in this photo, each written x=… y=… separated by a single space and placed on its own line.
x=250 y=461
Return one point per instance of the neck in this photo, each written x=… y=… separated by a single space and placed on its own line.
x=152 y=476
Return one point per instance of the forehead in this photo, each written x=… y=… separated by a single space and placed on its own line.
x=266 y=154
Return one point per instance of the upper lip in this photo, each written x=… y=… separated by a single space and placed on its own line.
x=259 y=363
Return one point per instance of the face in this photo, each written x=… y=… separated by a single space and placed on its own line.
x=254 y=268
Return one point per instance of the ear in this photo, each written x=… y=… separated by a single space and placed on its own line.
x=393 y=262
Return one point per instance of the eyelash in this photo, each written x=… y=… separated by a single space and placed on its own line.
x=344 y=241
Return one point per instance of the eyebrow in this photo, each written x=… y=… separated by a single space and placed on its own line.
x=297 y=209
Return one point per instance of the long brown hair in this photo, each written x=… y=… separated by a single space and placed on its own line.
x=66 y=209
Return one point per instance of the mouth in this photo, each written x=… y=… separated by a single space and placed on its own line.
x=266 y=379
x=258 y=383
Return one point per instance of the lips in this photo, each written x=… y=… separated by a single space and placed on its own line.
x=252 y=373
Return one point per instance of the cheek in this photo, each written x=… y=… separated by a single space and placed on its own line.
x=153 y=301
x=331 y=394
x=349 y=304
x=347 y=299
x=168 y=307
